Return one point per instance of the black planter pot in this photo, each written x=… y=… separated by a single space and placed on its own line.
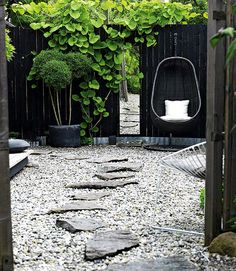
x=64 y=135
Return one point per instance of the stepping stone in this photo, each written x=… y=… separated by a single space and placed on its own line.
x=175 y=263
x=75 y=157
x=102 y=184
x=113 y=175
x=108 y=160
x=138 y=143
x=91 y=195
x=41 y=152
x=109 y=243
x=79 y=224
x=121 y=167
x=129 y=126
x=76 y=206
x=33 y=165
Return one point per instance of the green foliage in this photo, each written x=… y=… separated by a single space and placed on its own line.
x=202 y=198
x=72 y=25
x=41 y=59
x=79 y=64
x=199 y=10
x=10 y=49
x=133 y=74
x=56 y=74
x=58 y=70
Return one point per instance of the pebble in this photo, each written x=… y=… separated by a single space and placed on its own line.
x=162 y=197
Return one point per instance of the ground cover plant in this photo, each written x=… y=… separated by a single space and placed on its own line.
x=103 y=30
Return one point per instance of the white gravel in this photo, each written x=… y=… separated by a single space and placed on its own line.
x=39 y=245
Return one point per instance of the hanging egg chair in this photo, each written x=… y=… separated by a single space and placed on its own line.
x=175 y=99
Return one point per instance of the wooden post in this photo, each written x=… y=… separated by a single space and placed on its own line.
x=229 y=208
x=215 y=122
x=6 y=254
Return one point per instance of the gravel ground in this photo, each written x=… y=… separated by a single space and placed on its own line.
x=40 y=245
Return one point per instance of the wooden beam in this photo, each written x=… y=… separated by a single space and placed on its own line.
x=229 y=208
x=215 y=121
x=6 y=254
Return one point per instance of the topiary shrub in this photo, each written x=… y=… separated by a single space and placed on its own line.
x=57 y=70
x=56 y=74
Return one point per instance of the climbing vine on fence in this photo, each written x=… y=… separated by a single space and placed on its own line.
x=78 y=25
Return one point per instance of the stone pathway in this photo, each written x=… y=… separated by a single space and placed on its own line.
x=106 y=242
x=129 y=115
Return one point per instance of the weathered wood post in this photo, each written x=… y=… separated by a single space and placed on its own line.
x=6 y=254
x=229 y=209
x=215 y=122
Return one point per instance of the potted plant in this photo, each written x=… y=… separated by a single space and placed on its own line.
x=58 y=70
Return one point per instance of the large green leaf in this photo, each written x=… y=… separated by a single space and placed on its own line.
x=94 y=84
x=96 y=67
x=72 y=41
x=93 y=38
x=75 y=5
x=97 y=23
x=112 y=45
x=118 y=58
x=75 y=14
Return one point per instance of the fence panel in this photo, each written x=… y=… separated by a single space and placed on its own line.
x=182 y=40
x=30 y=110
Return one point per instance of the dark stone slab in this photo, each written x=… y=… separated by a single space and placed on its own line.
x=130 y=143
x=79 y=224
x=174 y=263
x=114 y=175
x=91 y=195
x=109 y=243
x=121 y=167
x=79 y=205
x=75 y=157
x=102 y=184
x=40 y=152
x=108 y=160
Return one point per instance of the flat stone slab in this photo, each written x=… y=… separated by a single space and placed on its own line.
x=79 y=224
x=108 y=160
x=109 y=243
x=33 y=165
x=79 y=205
x=91 y=195
x=75 y=157
x=121 y=167
x=138 y=143
x=175 y=263
x=114 y=175
x=42 y=152
x=102 y=184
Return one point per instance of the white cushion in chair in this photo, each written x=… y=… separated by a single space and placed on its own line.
x=175 y=118
x=177 y=108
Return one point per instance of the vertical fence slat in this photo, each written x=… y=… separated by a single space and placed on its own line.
x=215 y=120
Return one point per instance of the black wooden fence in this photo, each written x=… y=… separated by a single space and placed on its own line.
x=30 y=111
x=187 y=41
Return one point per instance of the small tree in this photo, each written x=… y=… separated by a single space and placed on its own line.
x=58 y=70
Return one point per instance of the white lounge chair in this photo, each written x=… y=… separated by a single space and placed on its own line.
x=191 y=160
